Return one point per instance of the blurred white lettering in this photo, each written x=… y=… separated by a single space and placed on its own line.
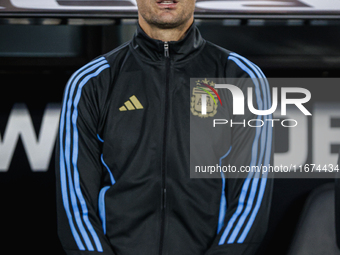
x=39 y=150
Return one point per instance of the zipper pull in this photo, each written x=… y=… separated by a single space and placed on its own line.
x=166 y=49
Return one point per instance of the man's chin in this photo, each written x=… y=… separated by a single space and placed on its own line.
x=167 y=25
x=168 y=22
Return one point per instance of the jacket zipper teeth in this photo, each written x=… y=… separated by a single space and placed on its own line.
x=167 y=74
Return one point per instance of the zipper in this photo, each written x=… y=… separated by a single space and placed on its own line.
x=163 y=173
x=166 y=49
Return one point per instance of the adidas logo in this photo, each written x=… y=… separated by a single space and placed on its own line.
x=131 y=104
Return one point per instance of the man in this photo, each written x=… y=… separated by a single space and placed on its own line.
x=123 y=180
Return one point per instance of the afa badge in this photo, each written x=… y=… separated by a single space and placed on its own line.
x=204 y=99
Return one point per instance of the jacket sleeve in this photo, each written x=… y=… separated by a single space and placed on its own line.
x=247 y=193
x=78 y=164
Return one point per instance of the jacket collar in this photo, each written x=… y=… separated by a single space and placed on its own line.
x=153 y=49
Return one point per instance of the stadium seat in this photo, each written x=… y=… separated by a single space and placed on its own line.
x=315 y=232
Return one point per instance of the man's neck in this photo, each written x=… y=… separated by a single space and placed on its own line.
x=165 y=34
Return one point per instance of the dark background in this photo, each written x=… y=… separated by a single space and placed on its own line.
x=38 y=55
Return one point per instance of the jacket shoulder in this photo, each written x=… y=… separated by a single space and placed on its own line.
x=216 y=48
x=236 y=64
x=117 y=53
x=243 y=66
x=100 y=68
x=95 y=77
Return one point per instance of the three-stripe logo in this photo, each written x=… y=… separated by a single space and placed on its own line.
x=74 y=201
x=131 y=104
